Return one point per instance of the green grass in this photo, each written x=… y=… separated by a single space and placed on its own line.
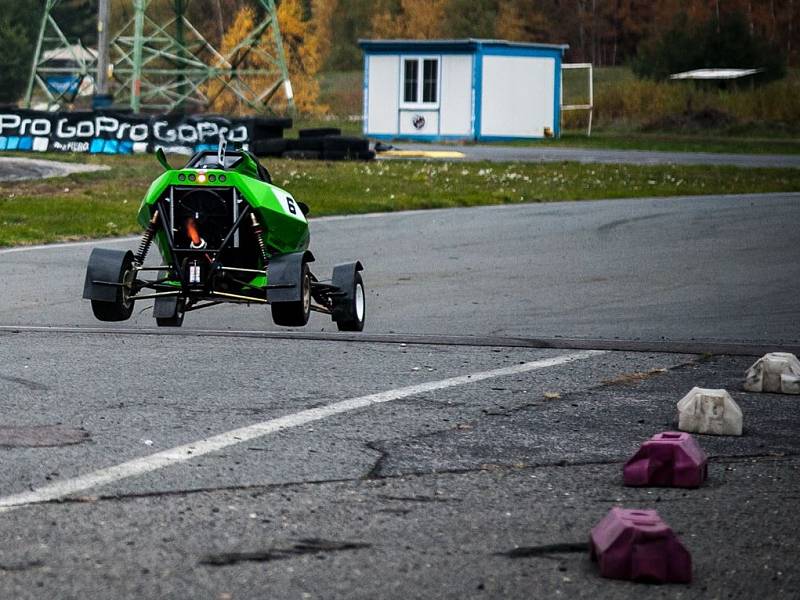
x=104 y=204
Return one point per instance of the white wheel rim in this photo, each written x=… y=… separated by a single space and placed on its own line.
x=359 y=302
x=306 y=295
x=127 y=281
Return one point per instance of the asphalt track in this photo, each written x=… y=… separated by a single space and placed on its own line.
x=543 y=153
x=715 y=268
x=229 y=459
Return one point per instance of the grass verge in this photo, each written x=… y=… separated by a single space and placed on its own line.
x=103 y=204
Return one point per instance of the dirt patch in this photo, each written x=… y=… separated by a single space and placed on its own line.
x=41 y=436
x=305 y=546
x=635 y=377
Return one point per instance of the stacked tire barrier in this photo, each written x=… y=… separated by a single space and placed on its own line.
x=316 y=144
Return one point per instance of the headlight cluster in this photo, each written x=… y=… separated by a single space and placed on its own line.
x=202 y=177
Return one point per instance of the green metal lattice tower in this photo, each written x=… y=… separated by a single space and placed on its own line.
x=49 y=75
x=169 y=66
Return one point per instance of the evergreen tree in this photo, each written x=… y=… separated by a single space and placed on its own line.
x=726 y=42
x=19 y=26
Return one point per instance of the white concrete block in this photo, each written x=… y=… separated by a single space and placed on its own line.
x=777 y=372
x=709 y=411
x=790 y=384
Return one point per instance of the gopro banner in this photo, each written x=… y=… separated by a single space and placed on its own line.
x=104 y=132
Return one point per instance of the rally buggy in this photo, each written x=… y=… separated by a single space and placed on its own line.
x=225 y=234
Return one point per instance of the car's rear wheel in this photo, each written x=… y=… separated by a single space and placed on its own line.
x=176 y=319
x=295 y=314
x=357 y=309
x=121 y=308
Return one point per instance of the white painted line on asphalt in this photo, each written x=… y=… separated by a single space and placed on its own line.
x=186 y=452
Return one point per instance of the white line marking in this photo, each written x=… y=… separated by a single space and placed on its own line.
x=186 y=452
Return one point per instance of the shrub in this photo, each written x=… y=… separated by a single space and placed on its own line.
x=681 y=105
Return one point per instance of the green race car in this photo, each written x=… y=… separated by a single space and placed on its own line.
x=225 y=234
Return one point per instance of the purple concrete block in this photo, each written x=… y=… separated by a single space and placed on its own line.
x=638 y=546
x=669 y=459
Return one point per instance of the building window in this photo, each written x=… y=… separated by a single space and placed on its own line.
x=411 y=78
x=430 y=79
x=425 y=87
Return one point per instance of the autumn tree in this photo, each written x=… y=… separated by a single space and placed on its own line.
x=322 y=15
x=411 y=19
x=605 y=32
x=301 y=48
x=516 y=21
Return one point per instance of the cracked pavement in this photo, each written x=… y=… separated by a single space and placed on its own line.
x=486 y=489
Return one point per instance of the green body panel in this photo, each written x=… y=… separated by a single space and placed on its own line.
x=285 y=232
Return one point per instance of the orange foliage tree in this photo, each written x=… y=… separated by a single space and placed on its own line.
x=301 y=46
x=412 y=19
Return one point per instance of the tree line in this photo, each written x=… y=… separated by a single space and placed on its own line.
x=652 y=35
x=603 y=32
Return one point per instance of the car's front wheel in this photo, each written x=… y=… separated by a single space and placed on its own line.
x=357 y=309
x=121 y=307
x=295 y=314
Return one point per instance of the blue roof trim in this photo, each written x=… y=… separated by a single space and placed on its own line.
x=456 y=46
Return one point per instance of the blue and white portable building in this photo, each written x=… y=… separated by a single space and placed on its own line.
x=461 y=89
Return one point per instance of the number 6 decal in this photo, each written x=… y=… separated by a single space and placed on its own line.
x=289 y=204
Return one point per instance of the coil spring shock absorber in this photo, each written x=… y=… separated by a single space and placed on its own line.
x=147 y=239
x=258 y=231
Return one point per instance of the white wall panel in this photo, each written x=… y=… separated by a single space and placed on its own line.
x=518 y=96
x=456 y=96
x=419 y=122
x=383 y=94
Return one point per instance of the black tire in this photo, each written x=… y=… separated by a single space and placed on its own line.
x=295 y=314
x=121 y=308
x=319 y=132
x=344 y=143
x=307 y=144
x=176 y=320
x=269 y=147
x=358 y=310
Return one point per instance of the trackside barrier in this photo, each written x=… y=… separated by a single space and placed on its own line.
x=669 y=459
x=777 y=372
x=709 y=411
x=638 y=545
x=118 y=132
